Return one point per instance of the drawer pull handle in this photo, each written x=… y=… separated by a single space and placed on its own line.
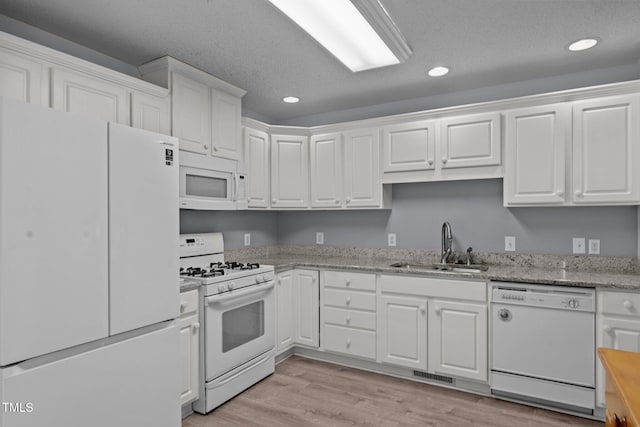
x=627 y=304
x=348 y=342
x=423 y=309
x=438 y=310
x=348 y=319
x=195 y=327
x=183 y=306
x=348 y=301
x=348 y=282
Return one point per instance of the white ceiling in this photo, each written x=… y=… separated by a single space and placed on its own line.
x=252 y=45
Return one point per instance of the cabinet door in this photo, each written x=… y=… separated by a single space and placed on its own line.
x=150 y=112
x=537 y=140
x=409 y=146
x=362 y=185
x=191 y=118
x=468 y=141
x=606 y=150
x=458 y=339
x=80 y=93
x=189 y=356
x=289 y=171
x=226 y=129
x=402 y=331
x=617 y=333
x=284 y=313
x=21 y=78
x=306 y=302
x=326 y=171
x=257 y=160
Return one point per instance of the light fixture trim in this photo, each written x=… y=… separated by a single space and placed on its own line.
x=359 y=33
x=438 y=71
x=291 y=99
x=583 y=44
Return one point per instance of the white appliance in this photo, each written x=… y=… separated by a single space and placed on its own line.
x=543 y=345
x=211 y=183
x=238 y=333
x=88 y=272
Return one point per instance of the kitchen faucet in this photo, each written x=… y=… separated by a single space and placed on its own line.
x=447 y=240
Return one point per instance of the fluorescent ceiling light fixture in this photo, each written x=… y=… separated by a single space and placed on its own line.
x=438 y=71
x=582 y=44
x=290 y=99
x=360 y=33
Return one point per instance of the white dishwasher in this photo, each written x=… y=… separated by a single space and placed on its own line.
x=543 y=345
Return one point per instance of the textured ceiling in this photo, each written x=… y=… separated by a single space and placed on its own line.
x=252 y=45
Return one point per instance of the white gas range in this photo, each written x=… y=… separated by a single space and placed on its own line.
x=237 y=311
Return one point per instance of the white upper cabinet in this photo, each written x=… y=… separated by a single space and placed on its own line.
x=362 y=184
x=409 y=146
x=537 y=140
x=467 y=141
x=326 y=171
x=22 y=78
x=606 y=150
x=82 y=93
x=256 y=152
x=226 y=128
x=150 y=112
x=191 y=118
x=289 y=171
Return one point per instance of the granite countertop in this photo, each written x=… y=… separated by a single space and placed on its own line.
x=548 y=276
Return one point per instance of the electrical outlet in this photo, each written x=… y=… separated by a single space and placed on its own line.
x=594 y=246
x=391 y=239
x=509 y=243
x=578 y=245
x=319 y=238
x=247 y=239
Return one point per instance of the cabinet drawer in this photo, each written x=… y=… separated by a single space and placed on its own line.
x=349 y=280
x=350 y=318
x=350 y=341
x=621 y=303
x=188 y=302
x=348 y=299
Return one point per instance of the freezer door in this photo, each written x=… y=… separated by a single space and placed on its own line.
x=134 y=382
x=53 y=230
x=143 y=228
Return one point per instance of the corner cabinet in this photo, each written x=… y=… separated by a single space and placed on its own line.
x=362 y=177
x=617 y=327
x=326 y=171
x=297 y=309
x=189 y=346
x=289 y=171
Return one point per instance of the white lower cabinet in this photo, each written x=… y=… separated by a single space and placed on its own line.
x=349 y=313
x=402 y=331
x=189 y=346
x=297 y=309
x=457 y=339
x=618 y=327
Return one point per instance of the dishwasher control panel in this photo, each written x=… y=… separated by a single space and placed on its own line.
x=560 y=297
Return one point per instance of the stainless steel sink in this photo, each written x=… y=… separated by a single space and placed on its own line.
x=442 y=268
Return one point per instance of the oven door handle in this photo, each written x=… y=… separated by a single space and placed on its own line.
x=218 y=299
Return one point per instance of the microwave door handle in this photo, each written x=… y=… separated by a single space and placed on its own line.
x=219 y=299
x=236 y=185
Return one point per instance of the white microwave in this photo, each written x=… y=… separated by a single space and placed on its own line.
x=211 y=183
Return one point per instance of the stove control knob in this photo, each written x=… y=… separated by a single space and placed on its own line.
x=231 y=285
x=222 y=287
x=573 y=303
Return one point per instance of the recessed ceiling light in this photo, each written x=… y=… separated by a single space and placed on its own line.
x=438 y=71
x=582 y=44
x=290 y=99
x=359 y=33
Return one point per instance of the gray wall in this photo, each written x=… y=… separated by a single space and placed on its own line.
x=477 y=217
x=263 y=226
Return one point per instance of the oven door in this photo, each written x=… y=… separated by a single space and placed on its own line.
x=239 y=326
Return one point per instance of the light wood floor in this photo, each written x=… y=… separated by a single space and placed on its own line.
x=304 y=392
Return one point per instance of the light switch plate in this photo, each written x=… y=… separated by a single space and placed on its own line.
x=510 y=243
x=247 y=239
x=578 y=245
x=594 y=246
x=320 y=238
x=391 y=239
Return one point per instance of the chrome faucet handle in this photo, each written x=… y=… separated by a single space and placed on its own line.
x=468 y=257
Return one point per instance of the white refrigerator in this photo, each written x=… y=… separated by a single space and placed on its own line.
x=89 y=282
